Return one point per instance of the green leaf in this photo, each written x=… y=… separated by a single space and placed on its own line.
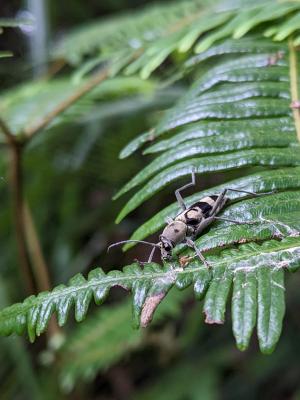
x=229 y=46
x=193 y=32
x=274 y=11
x=150 y=285
x=228 y=161
x=142 y=47
x=244 y=307
x=204 y=129
x=227 y=30
x=271 y=306
x=287 y=28
x=130 y=31
x=219 y=144
x=217 y=295
x=278 y=180
x=102 y=340
x=241 y=87
x=26 y=105
x=106 y=337
x=237 y=114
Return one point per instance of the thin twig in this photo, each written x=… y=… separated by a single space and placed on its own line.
x=39 y=266
x=85 y=88
x=17 y=199
x=11 y=139
x=97 y=78
x=15 y=150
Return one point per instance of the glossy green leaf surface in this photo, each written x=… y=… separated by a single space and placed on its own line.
x=28 y=104
x=151 y=285
x=257 y=157
x=238 y=114
x=206 y=146
x=179 y=27
x=271 y=306
x=266 y=181
x=205 y=129
x=106 y=337
x=244 y=307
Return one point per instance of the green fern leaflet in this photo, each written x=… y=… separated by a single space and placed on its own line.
x=241 y=114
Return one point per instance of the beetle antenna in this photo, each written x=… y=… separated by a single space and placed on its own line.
x=132 y=241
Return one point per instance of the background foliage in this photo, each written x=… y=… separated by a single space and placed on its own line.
x=227 y=74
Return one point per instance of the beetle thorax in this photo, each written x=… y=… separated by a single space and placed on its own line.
x=175 y=232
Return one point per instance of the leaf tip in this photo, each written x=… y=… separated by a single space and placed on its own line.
x=267 y=350
x=211 y=320
x=241 y=345
x=149 y=308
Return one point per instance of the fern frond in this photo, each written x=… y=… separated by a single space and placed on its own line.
x=237 y=114
x=240 y=112
x=177 y=375
x=34 y=313
x=27 y=104
x=101 y=341
x=277 y=180
x=225 y=88
x=263 y=263
x=239 y=90
x=128 y=31
x=245 y=158
x=107 y=337
x=136 y=46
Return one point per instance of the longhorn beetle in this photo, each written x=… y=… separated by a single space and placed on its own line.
x=191 y=222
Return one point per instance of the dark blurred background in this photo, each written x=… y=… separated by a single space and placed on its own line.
x=71 y=173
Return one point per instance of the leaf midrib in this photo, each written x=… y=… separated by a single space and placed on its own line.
x=118 y=280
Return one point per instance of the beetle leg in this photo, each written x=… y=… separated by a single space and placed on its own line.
x=222 y=195
x=177 y=192
x=235 y=221
x=219 y=202
x=247 y=192
x=142 y=263
x=151 y=255
x=191 y=244
x=203 y=224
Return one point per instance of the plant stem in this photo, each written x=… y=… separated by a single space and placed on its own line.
x=11 y=139
x=294 y=87
x=16 y=183
x=38 y=263
x=17 y=198
x=47 y=119
x=39 y=266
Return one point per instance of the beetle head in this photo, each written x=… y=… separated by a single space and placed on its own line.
x=173 y=234
x=166 y=247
